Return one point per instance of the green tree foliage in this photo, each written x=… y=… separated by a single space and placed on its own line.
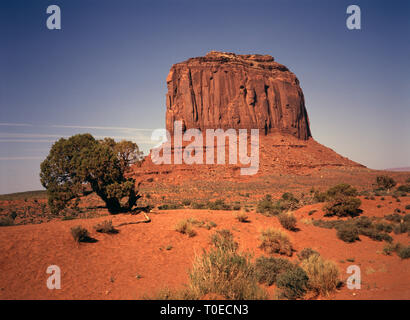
x=385 y=182
x=81 y=160
x=127 y=152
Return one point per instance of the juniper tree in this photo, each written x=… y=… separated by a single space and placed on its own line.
x=82 y=160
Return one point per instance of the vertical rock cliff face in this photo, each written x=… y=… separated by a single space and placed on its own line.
x=225 y=90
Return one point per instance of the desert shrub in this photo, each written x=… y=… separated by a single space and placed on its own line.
x=306 y=253
x=209 y=225
x=81 y=160
x=385 y=182
x=375 y=234
x=168 y=294
x=343 y=206
x=319 y=196
x=293 y=283
x=287 y=220
x=223 y=239
x=225 y=272
x=236 y=206
x=389 y=248
x=186 y=202
x=323 y=274
x=382 y=226
x=327 y=224
x=198 y=205
x=6 y=221
x=362 y=222
x=288 y=202
x=403 y=252
x=348 y=232
x=170 y=206
x=394 y=217
x=185 y=227
x=276 y=241
x=80 y=234
x=269 y=207
x=218 y=205
x=268 y=268
x=242 y=217
x=401 y=227
x=407 y=207
x=266 y=206
x=311 y=212
x=339 y=190
x=105 y=227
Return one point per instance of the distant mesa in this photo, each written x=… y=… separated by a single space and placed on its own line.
x=226 y=90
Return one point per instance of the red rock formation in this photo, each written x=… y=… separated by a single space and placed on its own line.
x=225 y=90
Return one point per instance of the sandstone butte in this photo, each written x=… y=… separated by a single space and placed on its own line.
x=226 y=90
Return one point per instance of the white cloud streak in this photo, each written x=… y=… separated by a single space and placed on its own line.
x=101 y=128
x=20 y=158
x=10 y=124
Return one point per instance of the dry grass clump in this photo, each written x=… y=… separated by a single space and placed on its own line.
x=306 y=253
x=223 y=239
x=268 y=268
x=287 y=220
x=276 y=241
x=223 y=271
x=242 y=217
x=185 y=227
x=323 y=274
x=402 y=251
x=80 y=234
x=105 y=227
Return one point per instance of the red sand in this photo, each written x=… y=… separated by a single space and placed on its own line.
x=135 y=262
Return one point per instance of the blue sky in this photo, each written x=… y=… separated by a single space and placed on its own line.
x=104 y=71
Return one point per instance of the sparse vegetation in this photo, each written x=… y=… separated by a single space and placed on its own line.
x=323 y=274
x=342 y=190
x=293 y=283
x=306 y=253
x=242 y=217
x=80 y=234
x=287 y=220
x=276 y=241
x=389 y=248
x=349 y=230
x=185 y=227
x=223 y=239
x=343 y=206
x=348 y=233
x=6 y=221
x=170 y=206
x=219 y=205
x=268 y=268
x=385 y=183
x=105 y=227
x=223 y=271
x=403 y=252
x=269 y=207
